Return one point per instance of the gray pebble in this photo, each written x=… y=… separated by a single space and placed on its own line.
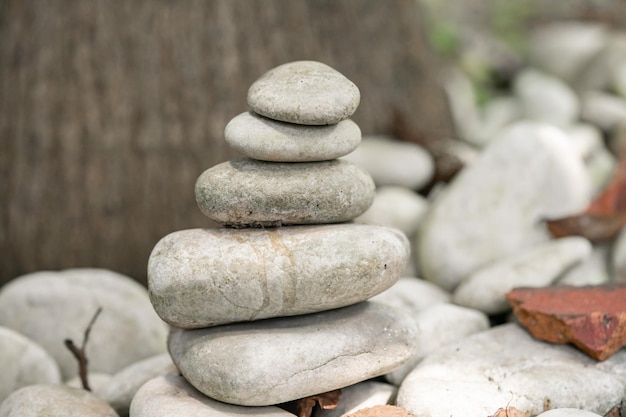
x=206 y=277
x=278 y=360
x=247 y=192
x=269 y=140
x=304 y=92
x=393 y=162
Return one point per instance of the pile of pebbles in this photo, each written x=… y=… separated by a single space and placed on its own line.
x=312 y=285
x=273 y=307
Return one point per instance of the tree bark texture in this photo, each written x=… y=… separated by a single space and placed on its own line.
x=110 y=110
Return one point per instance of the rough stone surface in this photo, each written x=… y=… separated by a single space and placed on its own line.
x=304 y=92
x=204 y=277
x=49 y=307
x=412 y=294
x=393 y=162
x=283 y=359
x=545 y=98
x=505 y=367
x=496 y=206
x=439 y=325
x=120 y=389
x=24 y=362
x=359 y=396
x=247 y=192
x=269 y=140
x=54 y=400
x=539 y=266
x=171 y=395
x=398 y=207
x=593 y=318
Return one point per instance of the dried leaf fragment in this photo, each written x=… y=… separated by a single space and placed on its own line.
x=304 y=406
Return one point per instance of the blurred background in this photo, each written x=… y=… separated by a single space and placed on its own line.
x=109 y=111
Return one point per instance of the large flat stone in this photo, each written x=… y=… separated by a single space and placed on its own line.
x=49 y=307
x=496 y=206
x=205 y=277
x=304 y=92
x=247 y=192
x=505 y=367
x=278 y=360
x=270 y=140
x=593 y=317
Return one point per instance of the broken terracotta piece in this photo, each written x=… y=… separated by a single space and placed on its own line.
x=593 y=317
x=382 y=411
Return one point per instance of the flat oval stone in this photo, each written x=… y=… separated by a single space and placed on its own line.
x=394 y=162
x=284 y=359
x=205 y=277
x=539 y=266
x=24 y=362
x=171 y=395
x=49 y=307
x=304 y=92
x=270 y=140
x=246 y=192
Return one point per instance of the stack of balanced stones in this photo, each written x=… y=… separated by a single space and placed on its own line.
x=272 y=307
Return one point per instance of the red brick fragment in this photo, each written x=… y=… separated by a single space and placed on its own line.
x=593 y=317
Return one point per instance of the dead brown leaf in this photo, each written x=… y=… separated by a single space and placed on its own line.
x=304 y=406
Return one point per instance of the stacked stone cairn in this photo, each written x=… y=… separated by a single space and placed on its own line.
x=272 y=307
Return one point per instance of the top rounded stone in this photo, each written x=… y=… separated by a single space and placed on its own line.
x=304 y=92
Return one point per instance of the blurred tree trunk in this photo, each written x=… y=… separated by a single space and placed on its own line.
x=110 y=110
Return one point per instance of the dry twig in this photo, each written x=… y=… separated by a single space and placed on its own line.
x=79 y=352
